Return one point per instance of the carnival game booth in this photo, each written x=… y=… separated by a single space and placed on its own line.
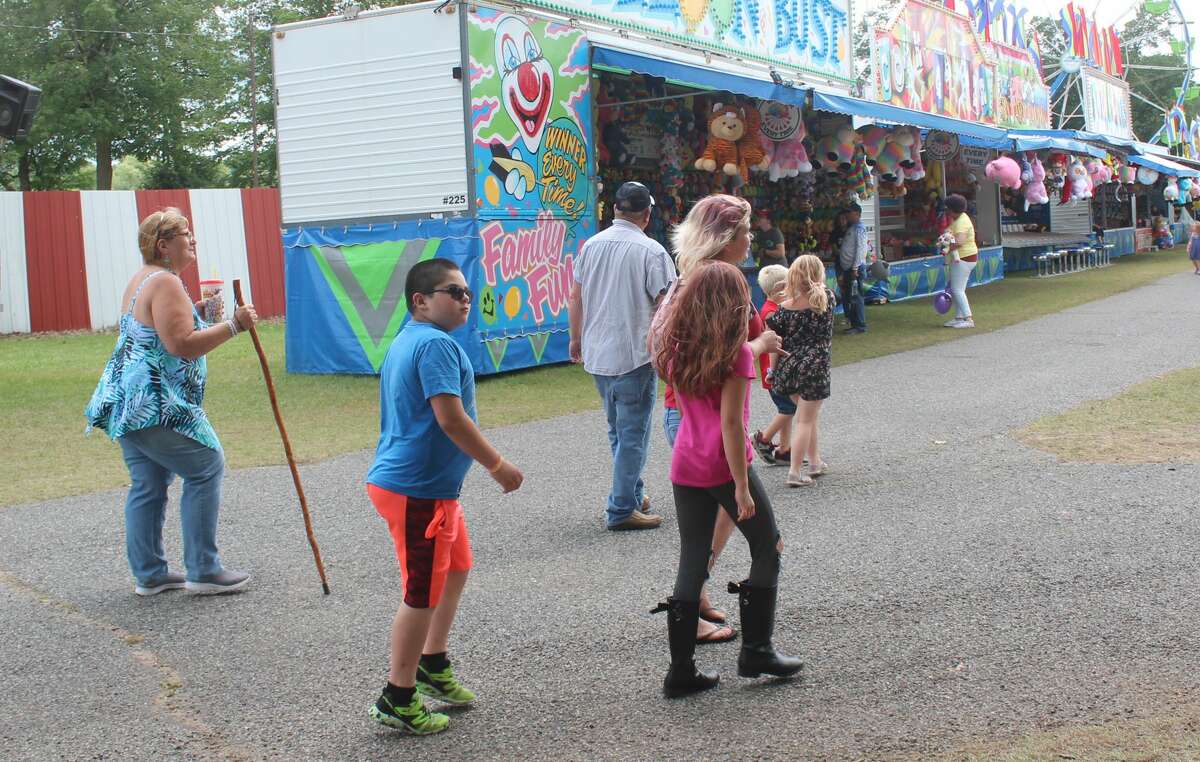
x=1167 y=188
x=909 y=211
x=1046 y=196
x=473 y=132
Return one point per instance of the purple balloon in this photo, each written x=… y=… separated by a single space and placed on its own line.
x=942 y=302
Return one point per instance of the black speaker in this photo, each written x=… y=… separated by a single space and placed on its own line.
x=18 y=103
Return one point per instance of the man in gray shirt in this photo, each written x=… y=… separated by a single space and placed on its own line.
x=851 y=265
x=620 y=277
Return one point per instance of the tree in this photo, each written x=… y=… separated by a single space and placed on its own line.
x=864 y=39
x=120 y=77
x=1153 y=71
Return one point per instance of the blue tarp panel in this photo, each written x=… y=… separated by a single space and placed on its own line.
x=1124 y=144
x=1163 y=165
x=705 y=79
x=912 y=278
x=1031 y=142
x=345 y=289
x=991 y=137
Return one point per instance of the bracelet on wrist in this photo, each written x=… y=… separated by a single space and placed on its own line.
x=231 y=324
x=496 y=467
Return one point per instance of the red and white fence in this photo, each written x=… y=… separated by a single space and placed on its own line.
x=66 y=256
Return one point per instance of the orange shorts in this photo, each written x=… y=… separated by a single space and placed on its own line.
x=430 y=538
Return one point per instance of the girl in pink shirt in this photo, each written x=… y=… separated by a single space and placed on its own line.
x=704 y=356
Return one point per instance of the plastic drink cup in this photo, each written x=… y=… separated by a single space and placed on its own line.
x=214 y=302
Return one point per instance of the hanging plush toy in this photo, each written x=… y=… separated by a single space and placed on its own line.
x=1098 y=172
x=788 y=158
x=906 y=138
x=751 y=155
x=917 y=171
x=726 y=126
x=1035 y=190
x=1081 y=183
x=845 y=141
x=1058 y=174
x=873 y=141
x=1147 y=176
x=671 y=160
x=1185 y=190
x=890 y=165
x=1171 y=191
x=1004 y=171
x=1026 y=169
x=826 y=153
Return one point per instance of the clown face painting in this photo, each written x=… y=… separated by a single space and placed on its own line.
x=526 y=80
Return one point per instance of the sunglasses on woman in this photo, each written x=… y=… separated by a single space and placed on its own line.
x=456 y=292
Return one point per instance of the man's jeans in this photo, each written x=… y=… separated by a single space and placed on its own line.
x=853 y=307
x=154 y=456
x=629 y=404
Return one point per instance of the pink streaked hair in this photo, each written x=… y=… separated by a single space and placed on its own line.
x=709 y=227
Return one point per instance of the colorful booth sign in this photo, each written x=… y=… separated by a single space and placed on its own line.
x=1106 y=105
x=808 y=35
x=1022 y=99
x=931 y=61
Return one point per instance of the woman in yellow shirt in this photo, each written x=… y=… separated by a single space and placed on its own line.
x=961 y=257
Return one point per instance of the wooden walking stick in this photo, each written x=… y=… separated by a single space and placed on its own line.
x=287 y=445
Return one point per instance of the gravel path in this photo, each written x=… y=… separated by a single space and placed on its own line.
x=943 y=583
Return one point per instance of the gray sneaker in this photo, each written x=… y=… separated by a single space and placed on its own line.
x=224 y=581
x=160 y=584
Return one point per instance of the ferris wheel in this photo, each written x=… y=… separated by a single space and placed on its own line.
x=1086 y=56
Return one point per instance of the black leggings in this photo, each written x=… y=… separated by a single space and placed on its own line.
x=696 y=512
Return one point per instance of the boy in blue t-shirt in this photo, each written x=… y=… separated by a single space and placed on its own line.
x=427 y=439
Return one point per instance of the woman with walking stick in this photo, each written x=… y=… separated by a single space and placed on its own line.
x=149 y=400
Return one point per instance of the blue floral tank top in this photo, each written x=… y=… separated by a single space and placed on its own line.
x=144 y=385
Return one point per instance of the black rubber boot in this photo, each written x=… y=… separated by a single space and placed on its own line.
x=758 y=656
x=683 y=677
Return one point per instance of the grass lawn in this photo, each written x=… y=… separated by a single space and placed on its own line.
x=46 y=380
x=1150 y=422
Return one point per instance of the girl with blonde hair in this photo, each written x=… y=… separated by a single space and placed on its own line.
x=804 y=322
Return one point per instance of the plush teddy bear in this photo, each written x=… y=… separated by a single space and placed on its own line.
x=1004 y=171
x=751 y=155
x=726 y=126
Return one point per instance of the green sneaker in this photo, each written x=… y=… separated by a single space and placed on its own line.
x=442 y=686
x=414 y=718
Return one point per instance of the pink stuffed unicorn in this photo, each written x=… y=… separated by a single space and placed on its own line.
x=1035 y=189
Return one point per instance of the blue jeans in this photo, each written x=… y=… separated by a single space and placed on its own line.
x=154 y=456
x=671 y=419
x=629 y=404
x=853 y=307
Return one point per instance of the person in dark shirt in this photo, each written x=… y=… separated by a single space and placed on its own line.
x=768 y=241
